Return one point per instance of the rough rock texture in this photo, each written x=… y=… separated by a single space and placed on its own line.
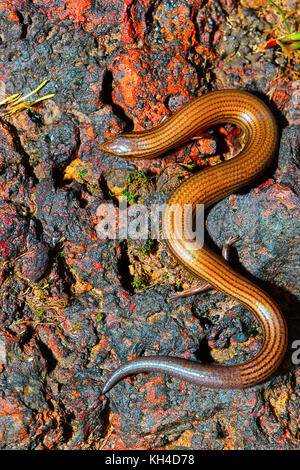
x=73 y=306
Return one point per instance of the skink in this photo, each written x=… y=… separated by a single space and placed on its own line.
x=206 y=187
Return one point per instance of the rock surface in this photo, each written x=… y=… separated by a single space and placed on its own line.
x=74 y=306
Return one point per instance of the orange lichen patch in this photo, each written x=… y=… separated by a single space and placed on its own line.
x=233 y=199
x=284 y=34
x=280 y=92
x=112 y=131
x=231 y=438
x=225 y=355
x=206 y=145
x=79 y=170
x=150 y=390
x=279 y=402
x=269 y=425
x=90 y=132
x=12 y=14
x=14 y=412
x=284 y=195
x=214 y=160
x=264 y=251
x=179 y=78
x=113 y=441
x=128 y=79
x=73 y=250
x=115 y=420
x=116 y=442
x=11 y=409
x=267 y=183
x=177 y=26
x=76 y=9
x=70 y=9
x=135 y=84
x=154 y=113
x=80 y=12
x=134 y=27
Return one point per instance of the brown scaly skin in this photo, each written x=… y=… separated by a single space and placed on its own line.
x=206 y=187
